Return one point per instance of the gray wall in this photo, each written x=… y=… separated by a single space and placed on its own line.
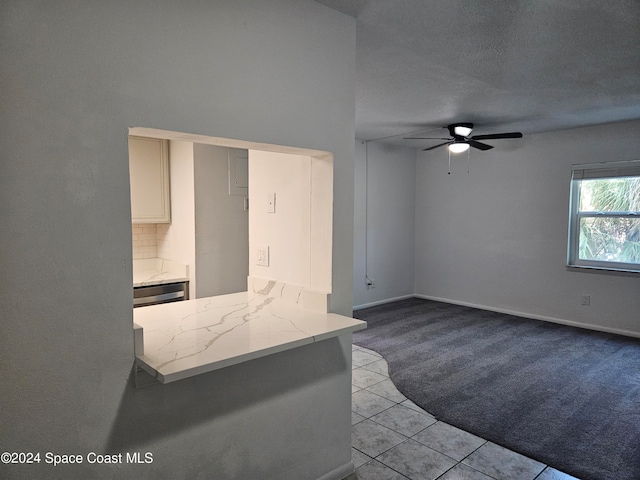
x=385 y=190
x=222 y=226
x=75 y=76
x=496 y=237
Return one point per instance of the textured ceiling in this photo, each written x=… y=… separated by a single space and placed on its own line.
x=505 y=65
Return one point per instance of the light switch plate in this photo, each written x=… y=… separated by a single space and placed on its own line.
x=271 y=203
x=263 y=256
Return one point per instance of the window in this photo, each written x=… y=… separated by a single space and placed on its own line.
x=604 y=221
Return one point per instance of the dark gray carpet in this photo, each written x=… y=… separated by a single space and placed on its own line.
x=564 y=396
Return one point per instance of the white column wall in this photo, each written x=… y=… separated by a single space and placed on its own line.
x=385 y=209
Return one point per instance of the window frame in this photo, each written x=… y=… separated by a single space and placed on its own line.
x=581 y=172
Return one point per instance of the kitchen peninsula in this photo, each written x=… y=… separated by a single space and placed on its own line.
x=197 y=336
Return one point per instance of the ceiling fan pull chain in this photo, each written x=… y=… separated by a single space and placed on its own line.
x=449 y=172
x=468 y=161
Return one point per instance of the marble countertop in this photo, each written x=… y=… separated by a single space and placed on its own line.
x=157 y=271
x=188 y=338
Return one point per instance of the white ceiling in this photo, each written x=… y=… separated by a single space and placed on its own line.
x=505 y=65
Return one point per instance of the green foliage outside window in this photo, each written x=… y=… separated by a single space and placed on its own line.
x=607 y=230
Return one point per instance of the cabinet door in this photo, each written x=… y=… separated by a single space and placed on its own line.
x=149 y=174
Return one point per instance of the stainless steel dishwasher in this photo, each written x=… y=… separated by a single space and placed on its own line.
x=165 y=293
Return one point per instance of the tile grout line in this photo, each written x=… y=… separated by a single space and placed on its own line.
x=418 y=409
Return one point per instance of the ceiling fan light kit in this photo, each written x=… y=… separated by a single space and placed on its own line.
x=460 y=141
x=458 y=147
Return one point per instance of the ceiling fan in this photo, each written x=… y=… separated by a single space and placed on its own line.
x=460 y=141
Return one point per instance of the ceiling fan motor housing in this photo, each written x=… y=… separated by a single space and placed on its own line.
x=454 y=130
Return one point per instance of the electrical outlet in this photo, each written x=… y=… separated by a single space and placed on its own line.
x=371 y=283
x=586 y=300
x=263 y=256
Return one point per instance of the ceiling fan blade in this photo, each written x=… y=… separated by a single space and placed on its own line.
x=479 y=145
x=496 y=136
x=436 y=146
x=426 y=138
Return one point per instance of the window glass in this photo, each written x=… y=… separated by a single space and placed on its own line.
x=604 y=226
x=610 y=194
x=610 y=239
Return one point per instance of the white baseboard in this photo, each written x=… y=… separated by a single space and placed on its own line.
x=382 y=302
x=339 y=473
x=598 y=328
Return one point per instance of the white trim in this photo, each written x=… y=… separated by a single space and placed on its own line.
x=382 y=302
x=617 y=331
x=340 y=472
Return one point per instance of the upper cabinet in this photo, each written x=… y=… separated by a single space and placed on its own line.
x=149 y=174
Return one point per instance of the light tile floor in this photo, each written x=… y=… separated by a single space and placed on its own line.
x=394 y=439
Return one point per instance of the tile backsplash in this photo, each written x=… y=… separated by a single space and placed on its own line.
x=163 y=237
x=151 y=240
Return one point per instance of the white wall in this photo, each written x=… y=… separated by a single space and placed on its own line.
x=75 y=76
x=222 y=226
x=181 y=236
x=287 y=231
x=299 y=232
x=496 y=237
x=384 y=222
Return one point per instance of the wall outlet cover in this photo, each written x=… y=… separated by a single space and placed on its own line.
x=271 y=203
x=263 y=256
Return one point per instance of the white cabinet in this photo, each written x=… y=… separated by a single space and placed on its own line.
x=149 y=174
